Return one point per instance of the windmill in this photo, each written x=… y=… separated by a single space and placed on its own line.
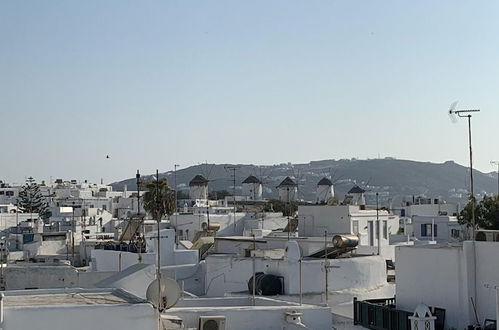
x=325 y=187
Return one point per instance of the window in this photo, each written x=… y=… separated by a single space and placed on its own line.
x=385 y=229
x=355 y=227
x=426 y=230
x=455 y=233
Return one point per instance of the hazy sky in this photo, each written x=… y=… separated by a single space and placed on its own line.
x=154 y=83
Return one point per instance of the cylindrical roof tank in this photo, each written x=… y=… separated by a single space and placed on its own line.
x=344 y=241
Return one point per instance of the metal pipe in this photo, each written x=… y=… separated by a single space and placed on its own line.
x=378 y=224
x=254 y=270
x=2 y=296
x=176 y=200
x=433 y=229
x=301 y=291
x=325 y=264
x=158 y=253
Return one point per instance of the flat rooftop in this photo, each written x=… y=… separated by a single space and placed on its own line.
x=71 y=297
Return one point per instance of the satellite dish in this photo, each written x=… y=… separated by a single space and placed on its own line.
x=452 y=111
x=166 y=296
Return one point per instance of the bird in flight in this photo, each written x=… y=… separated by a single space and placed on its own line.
x=107 y=157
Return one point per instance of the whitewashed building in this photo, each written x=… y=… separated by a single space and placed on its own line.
x=325 y=190
x=373 y=228
x=462 y=278
x=441 y=229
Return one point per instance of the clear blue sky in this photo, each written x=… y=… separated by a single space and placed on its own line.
x=153 y=83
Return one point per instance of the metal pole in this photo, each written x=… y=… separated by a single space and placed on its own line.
x=176 y=199
x=234 y=194
x=301 y=291
x=137 y=176
x=378 y=224
x=471 y=181
x=254 y=270
x=288 y=210
x=158 y=253
x=17 y=227
x=73 y=228
x=433 y=229
x=325 y=264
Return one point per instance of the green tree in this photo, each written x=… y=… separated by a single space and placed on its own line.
x=486 y=213
x=31 y=200
x=220 y=194
x=276 y=205
x=160 y=206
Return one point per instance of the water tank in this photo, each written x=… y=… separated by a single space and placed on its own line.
x=266 y=284
x=345 y=241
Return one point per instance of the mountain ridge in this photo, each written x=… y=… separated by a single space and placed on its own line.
x=394 y=179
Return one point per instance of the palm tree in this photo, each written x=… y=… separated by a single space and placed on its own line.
x=165 y=204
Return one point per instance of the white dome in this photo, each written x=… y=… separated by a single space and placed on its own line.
x=422 y=311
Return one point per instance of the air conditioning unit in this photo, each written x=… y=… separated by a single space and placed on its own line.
x=212 y=323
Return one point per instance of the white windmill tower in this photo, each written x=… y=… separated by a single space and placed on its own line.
x=288 y=190
x=325 y=190
x=252 y=188
x=198 y=187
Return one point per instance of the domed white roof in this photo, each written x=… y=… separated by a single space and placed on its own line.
x=422 y=311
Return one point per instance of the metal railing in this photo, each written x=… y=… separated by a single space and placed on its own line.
x=380 y=314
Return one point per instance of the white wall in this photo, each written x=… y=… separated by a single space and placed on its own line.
x=228 y=273
x=443 y=276
x=82 y=317
x=270 y=317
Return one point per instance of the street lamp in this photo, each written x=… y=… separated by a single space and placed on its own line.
x=467 y=113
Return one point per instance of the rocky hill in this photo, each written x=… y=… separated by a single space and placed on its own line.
x=394 y=179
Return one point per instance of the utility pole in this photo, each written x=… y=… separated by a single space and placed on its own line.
x=73 y=228
x=325 y=265
x=288 y=211
x=233 y=168
x=17 y=227
x=137 y=177
x=378 y=224
x=158 y=253
x=254 y=269
x=496 y=163
x=176 y=198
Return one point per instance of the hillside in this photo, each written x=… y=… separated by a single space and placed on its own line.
x=394 y=179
